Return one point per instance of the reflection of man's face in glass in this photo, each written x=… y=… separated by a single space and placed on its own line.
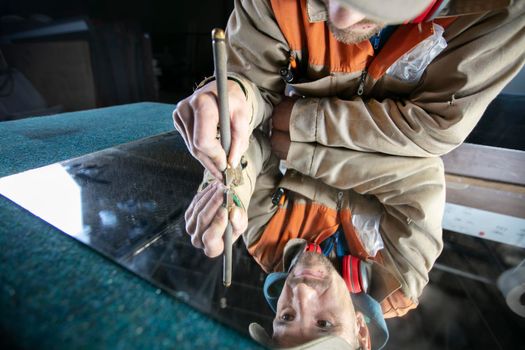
x=348 y=25
x=315 y=303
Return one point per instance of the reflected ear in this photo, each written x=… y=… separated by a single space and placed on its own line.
x=363 y=335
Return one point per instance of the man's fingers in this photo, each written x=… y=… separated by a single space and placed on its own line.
x=206 y=220
x=239 y=220
x=239 y=123
x=205 y=129
x=196 y=241
x=197 y=118
x=182 y=119
x=210 y=165
x=193 y=213
x=281 y=114
x=207 y=208
x=240 y=135
x=212 y=237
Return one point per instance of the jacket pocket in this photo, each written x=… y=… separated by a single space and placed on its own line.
x=323 y=87
x=411 y=66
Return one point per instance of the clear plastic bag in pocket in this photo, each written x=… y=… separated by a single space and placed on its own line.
x=411 y=66
x=367 y=227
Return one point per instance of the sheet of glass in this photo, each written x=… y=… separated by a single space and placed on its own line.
x=128 y=203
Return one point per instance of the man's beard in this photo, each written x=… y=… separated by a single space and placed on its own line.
x=312 y=260
x=349 y=36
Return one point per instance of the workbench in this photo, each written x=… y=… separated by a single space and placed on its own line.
x=56 y=293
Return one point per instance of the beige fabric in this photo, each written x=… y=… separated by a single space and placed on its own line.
x=428 y=118
x=409 y=193
x=400 y=11
x=391 y=11
x=424 y=119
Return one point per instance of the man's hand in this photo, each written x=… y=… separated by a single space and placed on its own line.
x=281 y=127
x=280 y=144
x=206 y=220
x=197 y=118
x=281 y=114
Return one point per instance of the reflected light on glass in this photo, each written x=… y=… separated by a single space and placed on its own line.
x=51 y=193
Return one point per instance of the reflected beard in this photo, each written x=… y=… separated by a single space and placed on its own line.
x=312 y=260
x=349 y=36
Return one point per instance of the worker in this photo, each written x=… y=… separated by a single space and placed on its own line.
x=339 y=78
x=364 y=211
x=400 y=77
x=315 y=309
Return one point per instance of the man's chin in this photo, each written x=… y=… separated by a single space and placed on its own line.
x=310 y=260
x=355 y=34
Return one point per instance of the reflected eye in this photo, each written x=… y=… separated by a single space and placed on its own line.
x=324 y=324
x=287 y=317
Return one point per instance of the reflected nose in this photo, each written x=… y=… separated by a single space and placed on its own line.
x=343 y=17
x=304 y=294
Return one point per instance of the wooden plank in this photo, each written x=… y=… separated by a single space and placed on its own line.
x=485 y=162
x=485 y=224
x=496 y=197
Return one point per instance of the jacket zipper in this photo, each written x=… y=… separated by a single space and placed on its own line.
x=361 y=87
x=339 y=200
x=287 y=72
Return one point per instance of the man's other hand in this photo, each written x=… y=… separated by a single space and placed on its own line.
x=206 y=220
x=280 y=143
x=281 y=127
x=197 y=119
x=281 y=114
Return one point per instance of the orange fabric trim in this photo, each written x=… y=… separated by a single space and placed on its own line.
x=312 y=222
x=445 y=22
x=396 y=305
x=287 y=15
x=402 y=40
x=354 y=243
x=317 y=41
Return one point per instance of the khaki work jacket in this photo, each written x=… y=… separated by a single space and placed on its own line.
x=427 y=116
x=327 y=187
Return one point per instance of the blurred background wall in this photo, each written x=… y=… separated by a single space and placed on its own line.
x=59 y=55
x=68 y=55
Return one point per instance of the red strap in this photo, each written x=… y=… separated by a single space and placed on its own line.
x=346 y=272
x=351 y=273
x=356 y=275
x=429 y=11
x=313 y=247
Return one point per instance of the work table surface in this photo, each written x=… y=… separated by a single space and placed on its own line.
x=56 y=293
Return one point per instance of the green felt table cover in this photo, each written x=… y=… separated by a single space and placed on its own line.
x=56 y=293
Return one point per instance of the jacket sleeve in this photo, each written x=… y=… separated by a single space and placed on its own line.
x=482 y=56
x=261 y=208
x=411 y=192
x=256 y=50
